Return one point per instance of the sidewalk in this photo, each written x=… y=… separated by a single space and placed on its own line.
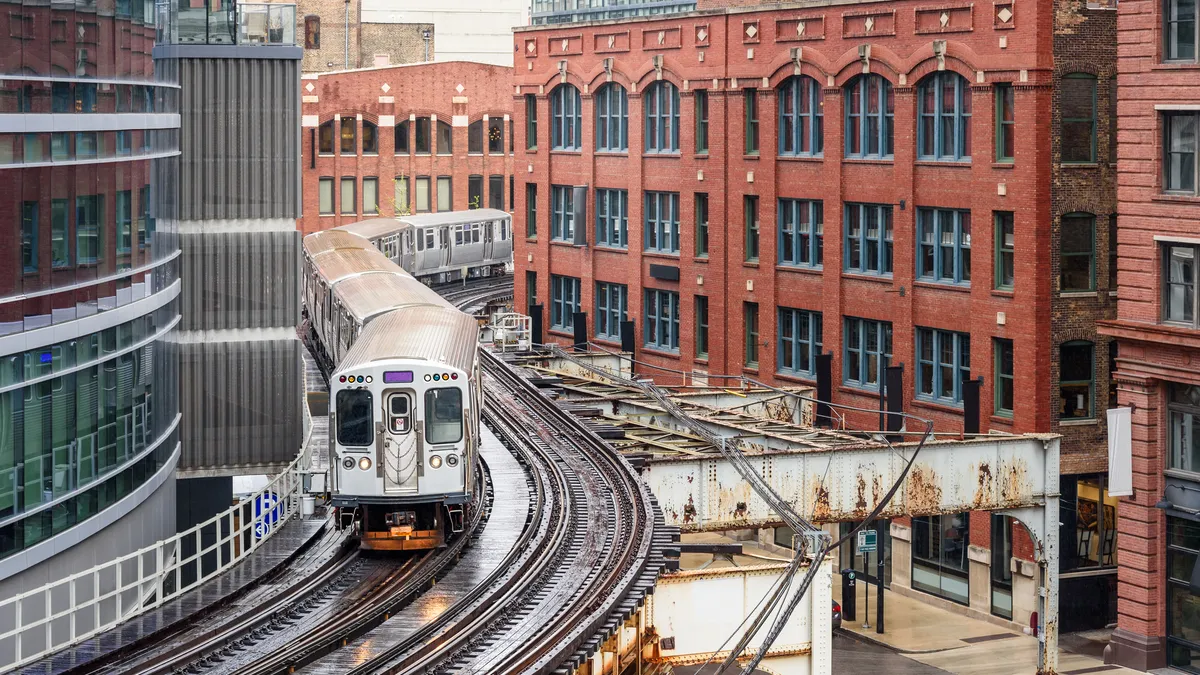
x=963 y=645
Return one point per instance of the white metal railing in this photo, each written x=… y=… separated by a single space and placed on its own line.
x=508 y=331
x=41 y=621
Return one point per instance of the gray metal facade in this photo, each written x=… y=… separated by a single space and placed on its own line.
x=237 y=199
x=241 y=406
x=238 y=280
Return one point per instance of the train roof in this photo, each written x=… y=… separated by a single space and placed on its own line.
x=375 y=227
x=367 y=295
x=439 y=334
x=331 y=240
x=455 y=217
x=339 y=264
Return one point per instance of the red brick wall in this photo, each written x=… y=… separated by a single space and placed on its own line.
x=1150 y=354
x=729 y=59
x=422 y=90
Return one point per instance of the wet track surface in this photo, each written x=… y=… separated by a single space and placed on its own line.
x=505 y=522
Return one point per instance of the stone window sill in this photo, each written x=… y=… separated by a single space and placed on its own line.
x=1090 y=422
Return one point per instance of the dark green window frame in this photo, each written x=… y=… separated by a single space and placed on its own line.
x=750 y=96
x=1006 y=123
x=750 y=320
x=1004 y=264
x=1067 y=151
x=750 y=211
x=1004 y=377
x=701 y=224
x=1068 y=256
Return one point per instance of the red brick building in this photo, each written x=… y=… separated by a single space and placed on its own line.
x=884 y=182
x=1158 y=366
x=405 y=139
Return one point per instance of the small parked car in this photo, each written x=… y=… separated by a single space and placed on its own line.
x=837 y=615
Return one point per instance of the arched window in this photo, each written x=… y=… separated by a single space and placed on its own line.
x=495 y=136
x=662 y=117
x=566 y=132
x=402 y=138
x=475 y=137
x=612 y=119
x=801 y=117
x=349 y=135
x=1076 y=380
x=445 y=144
x=325 y=138
x=870 y=106
x=1077 y=252
x=312 y=32
x=370 y=138
x=424 y=140
x=944 y=111
x=1078 y=104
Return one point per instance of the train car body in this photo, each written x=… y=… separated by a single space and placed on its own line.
x=405 y=427
x=442 y=247
x=404 y=383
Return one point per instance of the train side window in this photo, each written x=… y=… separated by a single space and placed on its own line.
x=443 y=415
x=429 y=238
x=399 y=414
x=458 y=236
x=355 y=419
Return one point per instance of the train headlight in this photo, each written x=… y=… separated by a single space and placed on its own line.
x=348 y=463
x=452 y=460
x=435 y=461
x=364 y=463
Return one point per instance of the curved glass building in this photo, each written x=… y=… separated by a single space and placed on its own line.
x=89 y=287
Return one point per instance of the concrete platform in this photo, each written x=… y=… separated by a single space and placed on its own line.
x=292 y=540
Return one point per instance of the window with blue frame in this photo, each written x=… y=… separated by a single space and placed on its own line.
x=564 y=302
x=867 y=350
x=801 y=117
x=801 y=232
x=612 y=218
x=868 y=239
x=943 y=362
x=870 y=108
x=661 y=101
x=612 y=119
x=662 y=222
x=661 y=320
x=944 y=117
x=799 y=341
x=562 y=213
x=567 y=118
x=944 y=246
x=610 y=309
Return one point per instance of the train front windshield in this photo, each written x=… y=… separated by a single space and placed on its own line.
x=355 y=418
x=443 y=415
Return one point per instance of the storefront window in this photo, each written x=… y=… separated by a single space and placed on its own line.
x=1091 y=541
x=1184 y=409
x=939 y=554
x=1002 y=566
x=1183 y=608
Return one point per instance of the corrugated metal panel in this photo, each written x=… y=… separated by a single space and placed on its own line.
x=240 y=280
x=331 y=240
x=241 y=406
x=375 y=227
x=239 y=141
x=337 y=265
x=367 y=295
x=437 y=334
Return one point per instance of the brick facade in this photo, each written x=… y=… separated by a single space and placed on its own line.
x=1152 y=353
x=322 y=27
x=455 y=93
x=733 y=54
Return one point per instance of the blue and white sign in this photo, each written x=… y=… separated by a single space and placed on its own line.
x=267 y=510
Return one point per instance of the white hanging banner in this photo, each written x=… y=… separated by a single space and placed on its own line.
x=1120 y=452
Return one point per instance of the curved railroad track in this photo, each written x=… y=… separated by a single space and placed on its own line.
x=476 y=293
x=589 y=553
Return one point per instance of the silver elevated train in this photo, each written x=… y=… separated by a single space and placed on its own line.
x=404 y=389
x=442 y=247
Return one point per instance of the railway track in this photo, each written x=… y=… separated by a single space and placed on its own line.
x=477 y=293
x=589 y=552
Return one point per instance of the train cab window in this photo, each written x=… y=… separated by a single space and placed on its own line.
x=399 y=414
x=443 y=415
x=355 y=420
x=503 y=230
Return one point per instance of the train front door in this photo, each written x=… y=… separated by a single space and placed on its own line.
x=444 y=242
x=399 y=455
